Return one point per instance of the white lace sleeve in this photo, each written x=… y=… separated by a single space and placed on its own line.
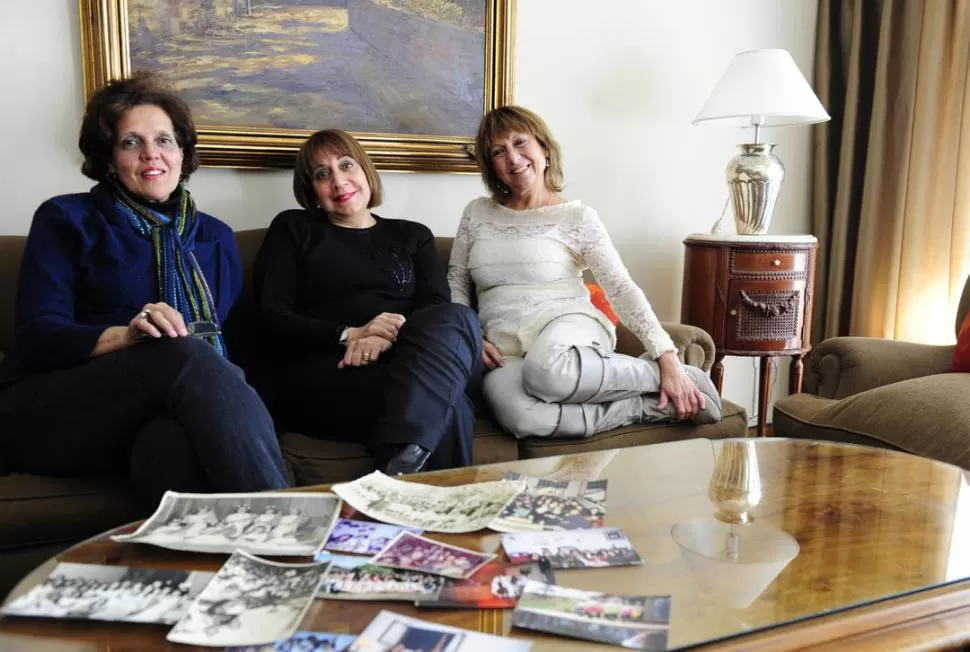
x=458 y=277
x=626 y=298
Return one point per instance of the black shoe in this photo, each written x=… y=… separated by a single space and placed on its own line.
x=410 y=458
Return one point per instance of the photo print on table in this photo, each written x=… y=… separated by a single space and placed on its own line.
x=634 y=621
x=465 y=508
x=417 y=553
x=497 y=585
x=553 y=505
x=358 y=578
x=572 y=549
x=391 y=632
x=278 y=524
x=363 y=537
x=250 y=601
x=303 y=642
x=115 y=593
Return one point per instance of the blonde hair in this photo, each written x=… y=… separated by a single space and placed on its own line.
x=507 y=119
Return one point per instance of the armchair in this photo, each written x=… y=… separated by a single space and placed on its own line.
x=886 y=393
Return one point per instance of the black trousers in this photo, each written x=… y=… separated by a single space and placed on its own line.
x=169 y=414
x=417 y=392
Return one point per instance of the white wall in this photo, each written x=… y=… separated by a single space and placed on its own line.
x=617 y=80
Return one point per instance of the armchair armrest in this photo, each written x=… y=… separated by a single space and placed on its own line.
x=694 y=346
x=843 y=366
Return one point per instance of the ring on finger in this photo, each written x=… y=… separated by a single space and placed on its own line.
x=144 y=313
x=365 y=357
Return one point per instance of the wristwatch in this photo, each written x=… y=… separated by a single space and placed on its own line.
x=344 y=334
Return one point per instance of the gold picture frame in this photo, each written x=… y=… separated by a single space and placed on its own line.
x=106 y=55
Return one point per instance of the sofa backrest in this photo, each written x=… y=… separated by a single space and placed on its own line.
x=11 y=251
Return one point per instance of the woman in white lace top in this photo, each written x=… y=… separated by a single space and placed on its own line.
x=523 y=251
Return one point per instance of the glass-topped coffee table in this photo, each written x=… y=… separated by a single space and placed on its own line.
x=844 y=545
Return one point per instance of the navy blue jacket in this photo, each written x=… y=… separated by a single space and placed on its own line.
x=85 y=268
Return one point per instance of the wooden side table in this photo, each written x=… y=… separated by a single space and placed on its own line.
x=753 y=294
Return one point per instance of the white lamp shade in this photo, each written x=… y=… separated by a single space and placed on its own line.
x=764 y=87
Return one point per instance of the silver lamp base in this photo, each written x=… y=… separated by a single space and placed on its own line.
x=755 y=177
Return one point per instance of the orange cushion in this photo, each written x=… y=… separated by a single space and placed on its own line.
x=961 y=356
x=598 y=298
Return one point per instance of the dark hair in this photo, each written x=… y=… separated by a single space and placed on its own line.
x=338 y=143
x=504 y=120
x=99 y=128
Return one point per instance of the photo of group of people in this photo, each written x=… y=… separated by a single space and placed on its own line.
x=413 y=552
x=279 y=524
x=391 y=632
x=115 y=593
x=496 y=585
x=358 y=578
x=304 y=642
x=553 y=505
x=465 y=508
x=572 y=549
x=250 y=601
x=638 y=622
x=363 y=537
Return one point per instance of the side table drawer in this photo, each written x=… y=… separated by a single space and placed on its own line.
x=768 y=261
x=765 y=315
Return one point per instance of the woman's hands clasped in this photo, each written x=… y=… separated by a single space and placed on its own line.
x=366 y=343
x=677 y=387
x=156 y=320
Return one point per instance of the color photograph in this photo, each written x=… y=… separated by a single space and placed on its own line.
x=417 y=553
x=303 y=642
x=572 y=549
x=638 y=622
x=391 y=632
x=358 y=578
x=363 y=537
x=496 y=585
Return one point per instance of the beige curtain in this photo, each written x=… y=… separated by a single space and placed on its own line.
x=892 y=169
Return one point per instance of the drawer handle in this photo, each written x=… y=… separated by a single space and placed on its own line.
x=733 y=312
x=776 y=262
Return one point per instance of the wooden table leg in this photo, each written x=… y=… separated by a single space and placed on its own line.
x=795 y=374
x=717 y=372
x=766 y=371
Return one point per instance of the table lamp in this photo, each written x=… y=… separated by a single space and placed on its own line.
x=761 y=88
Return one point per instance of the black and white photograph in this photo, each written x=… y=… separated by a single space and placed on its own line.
x=553 y=505
x=413 y=552
x=304 y=642
x=358 y=578
x=278 y=524
x=635 y=621
x=114 y=593
x=250 y=601
x=465 y=508
x=363 y=537
x=391 y=632
x=597 y=548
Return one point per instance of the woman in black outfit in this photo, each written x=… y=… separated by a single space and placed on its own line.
x=370 y=346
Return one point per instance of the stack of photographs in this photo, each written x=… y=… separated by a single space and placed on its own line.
x=638 y=622
x=358 y=578
x=114 y=593
x=572 y=549
x=391 y=632
x=363 y=537
x=417 y=553
x=553 y=505
x=250 y=601
x=465 y=508
x=278 y=524
x=496 y=585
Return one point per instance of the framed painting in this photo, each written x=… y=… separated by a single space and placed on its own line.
x=409 y=78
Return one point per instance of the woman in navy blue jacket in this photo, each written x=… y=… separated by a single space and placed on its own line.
x=119 y=367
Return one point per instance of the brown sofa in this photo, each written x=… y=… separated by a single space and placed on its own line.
x=40 y=516
x=886 y=393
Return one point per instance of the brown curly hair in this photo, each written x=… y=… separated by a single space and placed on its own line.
x=99 y=128
x=507 y=119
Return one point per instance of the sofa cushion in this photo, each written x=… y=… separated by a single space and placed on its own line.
x=320 y=461
x=37 y=510
x=926 y=416
x=734 y=423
